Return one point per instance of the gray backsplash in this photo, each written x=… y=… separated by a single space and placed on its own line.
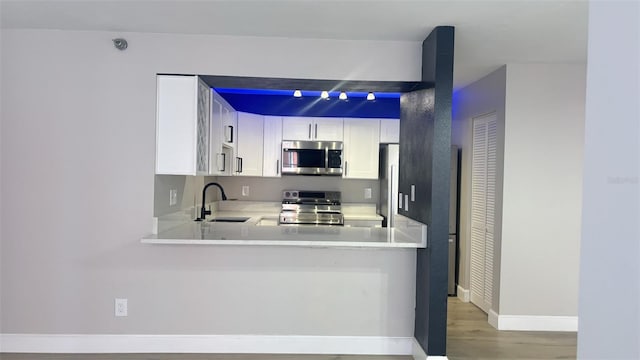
x=270 y=189
x=189 y=189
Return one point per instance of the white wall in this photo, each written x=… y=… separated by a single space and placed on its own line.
x=540 y=112
x=482 y=97
x=543 y=151
x=609 y=302
x=188 y=189
x=77 y=140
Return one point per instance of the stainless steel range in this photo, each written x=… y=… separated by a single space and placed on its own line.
x=311 y=208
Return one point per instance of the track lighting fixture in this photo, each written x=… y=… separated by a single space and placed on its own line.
x=342 y=95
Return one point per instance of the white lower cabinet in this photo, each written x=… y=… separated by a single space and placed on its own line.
x=272 y=146
x=249 y=146
x=361 y=147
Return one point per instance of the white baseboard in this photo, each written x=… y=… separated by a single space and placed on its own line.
x=493 y=319
x=419 y=354
x=533 y=323
x=463 y=294
x=537 y=323
x=264 y=344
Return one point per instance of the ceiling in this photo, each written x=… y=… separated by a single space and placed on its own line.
x=488 y=33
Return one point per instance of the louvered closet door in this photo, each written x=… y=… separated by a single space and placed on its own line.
x=483 y=192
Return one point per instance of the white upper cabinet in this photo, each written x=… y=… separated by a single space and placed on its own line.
x=328 y=129
x=221 y=154
x=389 y=131
x=312 y=128
x=361 y=147
x=272 y=146
x=249 y=145
x=296 y=128
x=229 y=122
x=182 y=125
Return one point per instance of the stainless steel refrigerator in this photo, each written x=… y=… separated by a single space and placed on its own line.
x=453 y=221
x=388 y=200
x=388 y=175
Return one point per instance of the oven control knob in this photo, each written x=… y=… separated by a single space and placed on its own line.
x=287 y=194
x=295 y=194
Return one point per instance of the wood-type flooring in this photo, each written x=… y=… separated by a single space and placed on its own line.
x=469 y=336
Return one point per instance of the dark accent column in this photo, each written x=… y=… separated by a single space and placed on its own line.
x=425 y=155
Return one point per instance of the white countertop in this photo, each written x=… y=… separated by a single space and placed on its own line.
x=408 y=233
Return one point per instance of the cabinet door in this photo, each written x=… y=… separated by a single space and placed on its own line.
x=250 y=145
x=176 y=125
x=229 y=121
x=483 y=190
x=328 y=129
x=389 y=131
x=297 y=128
x=218 y=162
x=272 y=146
x=361 y=147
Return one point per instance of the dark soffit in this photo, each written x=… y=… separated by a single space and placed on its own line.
x=244 y=82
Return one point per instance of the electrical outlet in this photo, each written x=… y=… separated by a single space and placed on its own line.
x=245 y=190
x=173 y=197
x=367 y=193
x=121 y=307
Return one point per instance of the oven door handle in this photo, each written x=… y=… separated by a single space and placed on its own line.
x=326 y=160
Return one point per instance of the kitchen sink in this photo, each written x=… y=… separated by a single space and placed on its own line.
x=230 y=219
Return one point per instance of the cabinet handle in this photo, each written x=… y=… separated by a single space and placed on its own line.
x=224 y=161
x=345 y=168
x=230 y=134
x=315 y=137
x=277 y=167
x=239 y=160
x=309 y=131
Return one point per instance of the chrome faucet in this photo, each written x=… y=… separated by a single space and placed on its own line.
x=203 y=211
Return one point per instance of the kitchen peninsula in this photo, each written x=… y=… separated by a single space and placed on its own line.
x=260 y=229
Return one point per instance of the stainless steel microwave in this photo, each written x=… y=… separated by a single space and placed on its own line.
x=312 y=158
